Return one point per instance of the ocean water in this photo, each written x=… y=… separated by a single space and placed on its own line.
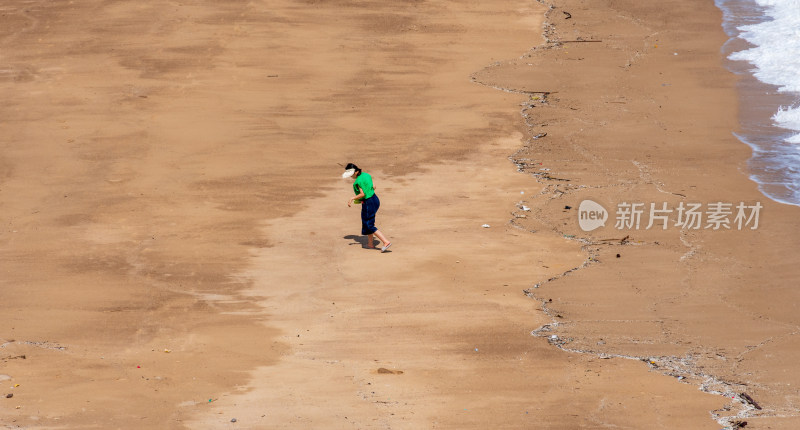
x=764 y=48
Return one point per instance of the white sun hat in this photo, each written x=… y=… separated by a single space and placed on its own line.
x=348 y=173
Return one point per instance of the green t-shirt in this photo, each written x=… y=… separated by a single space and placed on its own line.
x=364 y=183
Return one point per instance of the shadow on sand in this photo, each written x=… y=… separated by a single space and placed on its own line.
x=362 y=240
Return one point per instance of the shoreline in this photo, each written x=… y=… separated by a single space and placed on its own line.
x=759 y=102
x=686 y=367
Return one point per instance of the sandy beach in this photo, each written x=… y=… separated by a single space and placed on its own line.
x=176 y=250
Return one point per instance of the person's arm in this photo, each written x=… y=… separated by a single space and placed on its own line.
x=359 y=196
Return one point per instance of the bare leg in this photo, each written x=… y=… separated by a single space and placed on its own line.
x=382 y=238
x=370 y=241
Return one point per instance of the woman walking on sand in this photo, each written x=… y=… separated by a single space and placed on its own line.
x=365 y=195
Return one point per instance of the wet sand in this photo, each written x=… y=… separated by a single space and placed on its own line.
x=652 y=124
x=177 y=251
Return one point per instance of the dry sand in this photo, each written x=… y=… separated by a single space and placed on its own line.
x=176 y=251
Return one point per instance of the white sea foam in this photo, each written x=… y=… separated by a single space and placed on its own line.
x=789 y=118
x=776 y=55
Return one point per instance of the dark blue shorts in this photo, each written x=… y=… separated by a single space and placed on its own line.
x=369 y=208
